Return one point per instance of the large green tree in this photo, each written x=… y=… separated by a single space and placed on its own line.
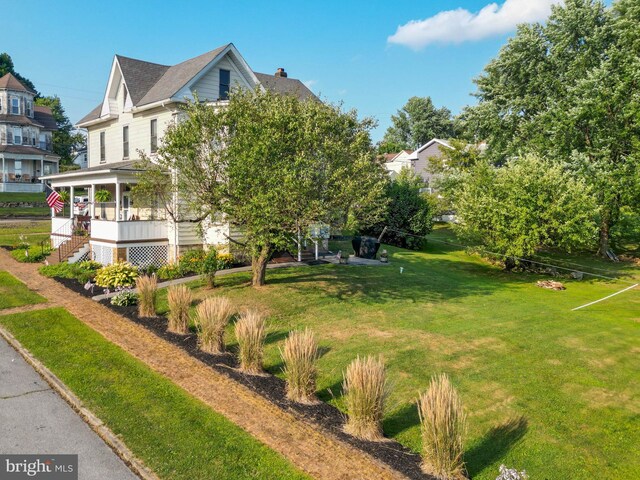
x=273 y=165
x=568 y=91
x=524 y=206
x=6 y=66
x=416 y=123
x=65 y=140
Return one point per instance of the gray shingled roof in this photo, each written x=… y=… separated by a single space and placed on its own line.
x=140 y=76
x=285 y=85
x=152 y=82
x=177 y=76
x=20 y=120
x=10 y=82
x=43 y=116
x=26 y=150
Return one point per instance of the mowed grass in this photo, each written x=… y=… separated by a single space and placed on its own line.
x=23 y=211
x=174 y=434
x=546 y=389
x=33 y=231
x=14 y=293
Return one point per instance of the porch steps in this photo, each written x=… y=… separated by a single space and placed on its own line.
x=80 y=253
x=68 y=249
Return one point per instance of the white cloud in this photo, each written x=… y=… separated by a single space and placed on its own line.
x=310 y=83
x=460 y=25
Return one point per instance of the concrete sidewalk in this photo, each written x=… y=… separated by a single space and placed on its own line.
x=35 y=420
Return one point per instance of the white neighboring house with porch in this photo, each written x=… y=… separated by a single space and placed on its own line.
x=142 y=99
x=26 y=153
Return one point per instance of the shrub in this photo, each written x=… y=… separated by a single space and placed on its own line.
x=179 y=299
x=81 y=271
x=125 y=298
x=365 y=392
x=170 y=271
x=299 y=354
x=147 y=293
x=250 y=333
x=209 y=267
x=31 y=254
x=212 y=317
x=442 y=421
x=119 y=274
x=191 y=261
x=226 y=260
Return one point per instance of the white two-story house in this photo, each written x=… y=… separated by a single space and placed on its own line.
x=141 y=100
x=26 y=131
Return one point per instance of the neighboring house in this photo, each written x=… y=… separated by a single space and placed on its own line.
x=418 y=161
x=26 y=152
x=141 y=100
x=81 y=159
x=397 y=162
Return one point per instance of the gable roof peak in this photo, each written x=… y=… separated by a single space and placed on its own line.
x=10 y=82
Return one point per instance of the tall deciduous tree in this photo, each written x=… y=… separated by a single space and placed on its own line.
x=526 y=205
x=568 y=90
x=65 y=140
x=273 y=165
x=418 y=122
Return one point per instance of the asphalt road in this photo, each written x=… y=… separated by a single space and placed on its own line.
x=35 y=420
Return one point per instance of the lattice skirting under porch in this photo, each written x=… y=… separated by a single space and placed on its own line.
x=146 y=256
x=102 y=254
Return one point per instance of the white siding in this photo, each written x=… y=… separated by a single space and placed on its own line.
x=139 y=135
x=208 y=87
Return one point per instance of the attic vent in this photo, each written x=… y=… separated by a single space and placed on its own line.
x=281 y=73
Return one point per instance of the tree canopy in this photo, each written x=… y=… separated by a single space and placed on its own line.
x=272 y=165
x=524 y=206
x=415 y=124
x=568 y=90
x=6 y=66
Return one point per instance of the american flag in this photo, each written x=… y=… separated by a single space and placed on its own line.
x=54 y=200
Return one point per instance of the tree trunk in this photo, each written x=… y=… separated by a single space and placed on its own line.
x=604 y=236
x=259 y=266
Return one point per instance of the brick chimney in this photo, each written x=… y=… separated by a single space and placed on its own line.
x=281 y=73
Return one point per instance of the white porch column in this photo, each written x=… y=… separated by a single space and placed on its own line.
x=71 y=195
x=41 y=169
x=92 y=199
x=3 y=172
x=117 y=202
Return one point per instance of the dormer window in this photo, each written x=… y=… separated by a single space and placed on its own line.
x=225 y=83
x=15 y=106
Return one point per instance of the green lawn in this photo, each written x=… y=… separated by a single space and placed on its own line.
x=23 y=211
x=33 y=232
x=174 y=434
x=548 y=390
x=14 y=293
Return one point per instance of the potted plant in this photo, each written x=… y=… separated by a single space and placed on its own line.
x=102 y=196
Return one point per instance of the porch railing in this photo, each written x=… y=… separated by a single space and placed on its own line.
x=71 y=235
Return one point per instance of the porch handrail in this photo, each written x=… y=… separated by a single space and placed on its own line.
x=76 y=234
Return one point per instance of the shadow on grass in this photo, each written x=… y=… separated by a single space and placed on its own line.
x=401 y=419
x=495 y=444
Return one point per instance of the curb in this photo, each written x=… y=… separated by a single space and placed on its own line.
x=110 y=438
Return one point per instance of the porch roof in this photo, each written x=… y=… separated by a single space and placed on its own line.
x=29 y=150
x=107 y=173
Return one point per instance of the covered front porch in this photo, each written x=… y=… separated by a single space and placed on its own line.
x=104 y=210
x=23 y=173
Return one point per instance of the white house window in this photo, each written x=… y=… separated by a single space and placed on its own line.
x=103 y=153
x=17 y=168
x=154 y=135
x=17 y=135
x=225 y=83
x=125 y=142
x=15 y=106
x=28 y=103
x=0 y=104
x=124 y=97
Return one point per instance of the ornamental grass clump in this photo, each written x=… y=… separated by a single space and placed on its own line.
x=250 y=332
x=300 y=354
x=212 y=317
x=442 y=421
x=179 y=299
x=147 y=293
x=365 y=393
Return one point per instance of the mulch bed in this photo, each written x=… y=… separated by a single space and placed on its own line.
x=272 y=388
x=73 y=284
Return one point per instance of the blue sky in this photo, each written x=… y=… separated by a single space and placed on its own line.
x=346 y=51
